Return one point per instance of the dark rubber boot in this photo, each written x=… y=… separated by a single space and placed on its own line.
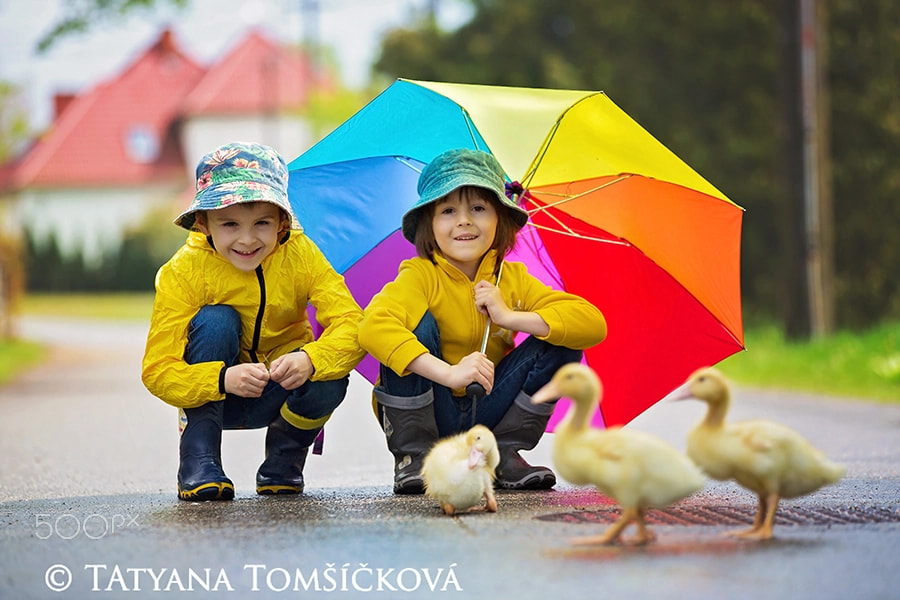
x=200 y=474
x=411 y=431
x=520 y=429
x=286 y=450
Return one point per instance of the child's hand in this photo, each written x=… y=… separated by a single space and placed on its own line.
x=475 y=367
x=246 y=380
x=489 y=301
x=292 y=370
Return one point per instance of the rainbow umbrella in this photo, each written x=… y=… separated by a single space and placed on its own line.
x=615 y=217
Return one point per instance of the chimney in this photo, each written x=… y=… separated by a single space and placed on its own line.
x=60 y=103
x=166 y=42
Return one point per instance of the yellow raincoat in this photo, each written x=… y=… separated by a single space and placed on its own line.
x=272 y=302
x=386 y=331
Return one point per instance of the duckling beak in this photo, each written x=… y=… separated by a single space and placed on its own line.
x=548 y=393
x=476 y=458
x=682 y=392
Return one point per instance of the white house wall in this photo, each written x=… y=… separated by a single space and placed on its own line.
x=89 y=221
x=289 y=135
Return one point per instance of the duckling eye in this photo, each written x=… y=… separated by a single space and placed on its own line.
x=702 y=378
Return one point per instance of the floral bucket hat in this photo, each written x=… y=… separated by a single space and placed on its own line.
x=239 y=172
x=454 y=169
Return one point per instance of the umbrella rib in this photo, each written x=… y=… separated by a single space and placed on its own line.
x=527 y=177
x=565 y=230
x=568 y=198
x=569 y=232
x=406 y=162
x=470 y=126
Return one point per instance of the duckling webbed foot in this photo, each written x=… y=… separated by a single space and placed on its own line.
x=763 y=522
x=481 y=508
x=611 y=534
x=754 y=534
x=644 y=535
x=595 y=540
x=490 y=498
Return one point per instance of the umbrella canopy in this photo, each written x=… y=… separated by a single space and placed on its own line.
x=615 y=217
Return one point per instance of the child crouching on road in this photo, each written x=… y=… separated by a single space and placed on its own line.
x=230 y=343
x=426 y=326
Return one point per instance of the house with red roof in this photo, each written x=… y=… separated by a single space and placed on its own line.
x=129 y=145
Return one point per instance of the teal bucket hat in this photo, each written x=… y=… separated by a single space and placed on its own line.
x=452 y=170
x=239 y=172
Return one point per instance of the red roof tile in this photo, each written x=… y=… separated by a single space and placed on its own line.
x=255 y=77
x=118 y=133
x=124 y=132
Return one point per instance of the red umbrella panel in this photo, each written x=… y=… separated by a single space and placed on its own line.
x=658 y=262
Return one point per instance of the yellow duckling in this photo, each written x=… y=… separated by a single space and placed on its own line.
x=638 y=470
x=767 y=458
x=459 y=471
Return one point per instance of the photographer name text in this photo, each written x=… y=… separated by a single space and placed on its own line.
x=360 y=577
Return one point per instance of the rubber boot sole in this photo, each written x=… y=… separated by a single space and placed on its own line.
x=412 y=485
x=540 y=479
x=279 y=490
x=214 y=490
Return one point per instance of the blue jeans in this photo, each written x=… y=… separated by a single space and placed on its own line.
x=214 y=334
x=526 y=369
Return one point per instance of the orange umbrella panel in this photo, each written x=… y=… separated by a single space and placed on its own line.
x=692 y=236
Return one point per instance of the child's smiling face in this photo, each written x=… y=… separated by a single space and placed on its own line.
x=464 y=225
x=244 y=234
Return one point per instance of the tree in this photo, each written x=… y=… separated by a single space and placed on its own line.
x=865 y=100
x=14 y=128
x=14 y=125
x=81 y=15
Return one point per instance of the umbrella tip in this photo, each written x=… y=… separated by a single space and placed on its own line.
x=514 y=190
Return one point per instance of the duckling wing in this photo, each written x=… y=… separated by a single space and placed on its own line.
x=635 y=468
x=764 y=437
x=454 y=483
x=775 y=458
x=660 y=473
x=444 y=465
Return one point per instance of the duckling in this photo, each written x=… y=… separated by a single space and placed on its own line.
x=459 y=471
x=764 y=457
x=638 y=470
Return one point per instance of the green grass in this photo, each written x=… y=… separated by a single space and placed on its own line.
x=117 y=306
x=16 y=356
x=854 y=365
x=860 y=365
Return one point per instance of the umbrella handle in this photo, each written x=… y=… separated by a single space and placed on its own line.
x=475 y=392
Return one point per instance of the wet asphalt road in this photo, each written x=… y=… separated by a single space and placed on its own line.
x=87 y=506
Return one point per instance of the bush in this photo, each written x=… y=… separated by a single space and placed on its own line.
x=131 y=268
x=12 y=277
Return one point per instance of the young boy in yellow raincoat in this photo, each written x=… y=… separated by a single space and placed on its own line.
x=230 y=343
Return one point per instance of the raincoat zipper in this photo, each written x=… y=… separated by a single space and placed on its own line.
x=259 y=315
x=480 y=322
